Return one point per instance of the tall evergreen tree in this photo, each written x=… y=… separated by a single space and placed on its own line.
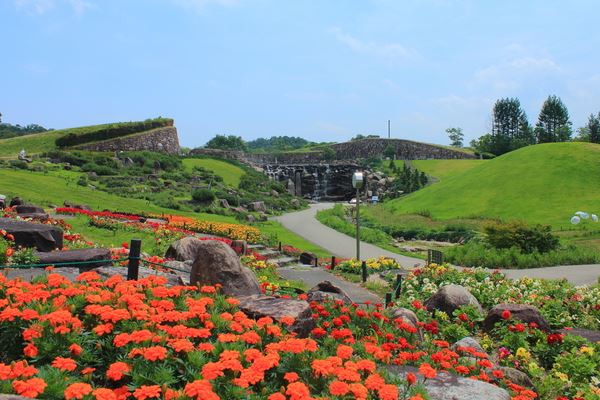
x=593 y=127
x=553 y=123
x=510 y=128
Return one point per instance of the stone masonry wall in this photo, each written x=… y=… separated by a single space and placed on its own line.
x=163 y=140
x=405 y=150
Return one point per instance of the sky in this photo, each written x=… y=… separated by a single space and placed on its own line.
x=325 y=70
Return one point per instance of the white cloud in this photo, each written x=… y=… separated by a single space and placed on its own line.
x=508 y=75
x=199 y=5
x=79 y=7
x=386 y=50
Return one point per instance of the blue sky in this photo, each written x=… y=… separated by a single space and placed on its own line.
x=325 y=70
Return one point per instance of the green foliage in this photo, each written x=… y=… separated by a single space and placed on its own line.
x=24 y=256
x=9 y=131
x=528 y=239
x=328 y=153
x=230 y=142
x=75 y=136
x=389 y=151
x=510 y=128
x=553 y=122
x=473 y=254
x=593 y=128
x=408 y=180
x=278 y=143
x=203 y=195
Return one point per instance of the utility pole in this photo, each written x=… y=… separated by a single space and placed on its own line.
x=389 y=130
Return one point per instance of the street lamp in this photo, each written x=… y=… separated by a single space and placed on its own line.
x=357 y=183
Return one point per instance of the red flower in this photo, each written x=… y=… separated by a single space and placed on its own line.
x=506 y=314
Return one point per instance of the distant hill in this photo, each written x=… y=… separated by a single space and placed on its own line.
x=544 y=183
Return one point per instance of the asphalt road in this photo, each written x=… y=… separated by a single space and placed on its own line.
x=306 y=225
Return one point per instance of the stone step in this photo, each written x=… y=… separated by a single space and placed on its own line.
x=256 y=247
x=284 y=260
x=269 y=253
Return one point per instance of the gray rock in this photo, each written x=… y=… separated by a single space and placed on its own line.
x=406 y=315
x=522 y=312
x=29 y=209
x=223 y=203
x=217 y=263
x=591 y=335
x=257 y=206
x=184 y=249
x=516 y=376
x=295 y=203
x=27 y=234
x=446 y=386
x=468 y=342
x=450 y=298
x=16 y=201
x=274 y=193
x=263 y=216
x=92 y=257
x=327 y=291
x=308 y=258
x=258 y=306
x=250 y=218
x=240 y=246
x=12 y=397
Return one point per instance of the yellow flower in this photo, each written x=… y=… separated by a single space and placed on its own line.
x=562 y=376
x=587 y=350
x=523 y=353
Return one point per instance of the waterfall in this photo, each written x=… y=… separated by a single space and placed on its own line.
x=317 y=188
x=326 y=177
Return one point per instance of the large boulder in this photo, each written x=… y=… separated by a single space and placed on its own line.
x=40 y=236
x=240 y=247
x=516 y=376
x=258 y=306
x=29 y=209
x=12 y=397
x=446 y=386
x=257 y=206
x=522 y=312
x=408 y=316
x=468 y=342
x=217 y=263
x=184 y=249
x=588 y=334
x=327 y=291
x=223 y=203
x=450 y=298
x=91 y=258
x=16 y=201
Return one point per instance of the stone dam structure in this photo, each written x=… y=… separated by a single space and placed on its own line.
x=318 y=177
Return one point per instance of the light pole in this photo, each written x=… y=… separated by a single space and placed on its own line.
x=357 y=183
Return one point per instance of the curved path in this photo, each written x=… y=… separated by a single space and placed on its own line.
x=305 y=224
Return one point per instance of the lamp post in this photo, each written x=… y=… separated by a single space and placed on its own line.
x=357 y=183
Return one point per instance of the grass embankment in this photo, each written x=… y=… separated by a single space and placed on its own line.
x=544 y=184
x=230 y=173
x=36 y=143
x=48 y=189
x=443 y=169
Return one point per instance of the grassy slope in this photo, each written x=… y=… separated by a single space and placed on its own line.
x=442 y=169
x=230 y=173
x=36 y=143
x=542 y=184
x=54 y=188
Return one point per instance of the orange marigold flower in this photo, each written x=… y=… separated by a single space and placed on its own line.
x=117 y=370
x=212 y=370
x=64 y=364
x=388 y=392
x=122 y=392
x=103 y=329
x=411 y=378
x=87 y=371
x=276 y=396
x=416 y=397
x=208 y=289
x=427 y=370
x=461 y=369
x=232 y=301
x=30 y=350
x=75 y=349
x=29 y=388
x=77 y=390
x=344 y=352
x=374 y=382
x=287 y=320
x=104 y=394
x=155 y=353
x=147 y=392
x=339 y=388
x=201 y=390
x=298 y=391
x=291 y=376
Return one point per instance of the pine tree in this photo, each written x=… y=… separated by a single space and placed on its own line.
x=510 y=128
x=593 y=127
x=553 y=122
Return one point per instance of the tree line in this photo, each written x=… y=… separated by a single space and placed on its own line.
x=511 y=129
x=9 y=130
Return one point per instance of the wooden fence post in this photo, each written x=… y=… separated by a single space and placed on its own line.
x=398 y=288
x=135 y=250
x=332 y=262
x=364 y=271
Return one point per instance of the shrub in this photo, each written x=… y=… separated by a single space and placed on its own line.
x=82 y=181
x=518 y=234
x=203 y=195
x=98 y=169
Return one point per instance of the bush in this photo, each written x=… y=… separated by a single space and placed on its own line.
x=110 y=131
x=518 y=234
x=475 y=254
x=98 y=169
x=203 y=195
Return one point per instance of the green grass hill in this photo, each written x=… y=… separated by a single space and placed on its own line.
x=545 y=183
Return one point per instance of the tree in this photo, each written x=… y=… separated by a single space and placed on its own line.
x=510 y=128
x=230 y=142
x=553 y=122
x=456 y=136
x=483 y=144
x=593 y=127
x=389 y=152
x=583 y=134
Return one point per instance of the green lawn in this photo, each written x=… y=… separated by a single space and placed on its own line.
x=442 y=169
x=36 y=143
x=545 y=183
x=281 y=234
x=230 y=173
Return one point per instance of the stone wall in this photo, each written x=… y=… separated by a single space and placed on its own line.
x=163 y=140
x=405 y=150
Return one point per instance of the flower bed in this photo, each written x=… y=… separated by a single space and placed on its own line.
x=114 y=339
x=354 y=266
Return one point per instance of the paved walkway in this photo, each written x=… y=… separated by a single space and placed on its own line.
x=306 y=225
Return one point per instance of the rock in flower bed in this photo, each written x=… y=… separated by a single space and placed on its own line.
x=111 y=339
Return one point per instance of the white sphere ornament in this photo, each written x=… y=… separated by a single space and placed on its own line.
x=575 y=220
x=594 y=218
